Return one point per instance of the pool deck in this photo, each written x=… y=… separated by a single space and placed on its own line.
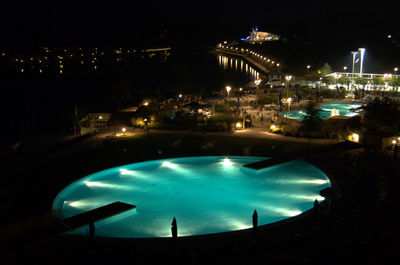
x=94 y=215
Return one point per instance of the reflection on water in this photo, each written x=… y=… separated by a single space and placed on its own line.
x=228 y=63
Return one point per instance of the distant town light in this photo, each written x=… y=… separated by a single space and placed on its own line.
x=389 y=36
x=308 y=66
x=345 y=68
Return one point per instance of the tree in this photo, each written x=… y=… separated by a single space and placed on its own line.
x=329 y=80
x=326 y=69
x=360 y=81
x=382 y=112
x=378 y=81
x=312 y=122
x=395 y=83
x=343 y=80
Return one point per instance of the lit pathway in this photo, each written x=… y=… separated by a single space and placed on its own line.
x=254 y=132
x=260 y=67
x=262 y=133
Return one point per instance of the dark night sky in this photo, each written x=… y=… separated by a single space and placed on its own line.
x=46 y=18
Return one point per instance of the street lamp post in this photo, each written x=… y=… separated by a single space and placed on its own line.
x=257 y=82
x=289 y=100
x=354 y=57
x=288 y=78
x=228 y=88
x=362 y=51
x=395 y=70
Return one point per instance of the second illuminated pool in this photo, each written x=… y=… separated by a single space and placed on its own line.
x=327 y=110
x=206 y=195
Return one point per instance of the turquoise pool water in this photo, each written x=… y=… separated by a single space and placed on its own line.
x=327 y=110
x=206 y=195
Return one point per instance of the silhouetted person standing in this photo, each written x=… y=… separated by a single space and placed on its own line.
x=174 y=229
x=255 y=219
x=316 y=211
x=91 y=230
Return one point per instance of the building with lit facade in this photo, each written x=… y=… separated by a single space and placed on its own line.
x=260 y=36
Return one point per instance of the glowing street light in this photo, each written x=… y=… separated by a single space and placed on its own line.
x=395 y=70
x=257 y=82
x=228 y=89
x=123 y=130
x=344 y=68
x=362 y=52
x=308 y=66
x=289 y=100
x=288 y=78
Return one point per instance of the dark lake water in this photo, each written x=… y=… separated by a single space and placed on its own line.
x=214 y=71
x=42 y=103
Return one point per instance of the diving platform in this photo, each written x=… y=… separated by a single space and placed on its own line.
x=95 y=215
x=267 y=163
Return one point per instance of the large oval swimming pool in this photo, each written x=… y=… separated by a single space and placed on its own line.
x=206 y=195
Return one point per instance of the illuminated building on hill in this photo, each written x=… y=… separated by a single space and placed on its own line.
x=259 y=36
